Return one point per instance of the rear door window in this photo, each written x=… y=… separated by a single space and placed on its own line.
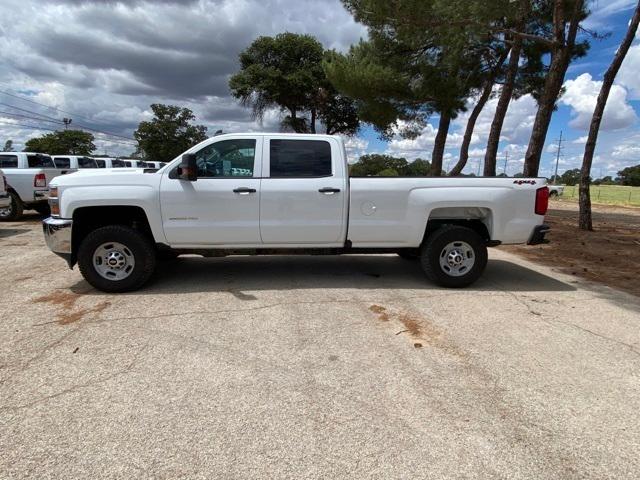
x=40 y=161
x=8 y=161
x=300 y=158
x=117 y=163
x=62 y=162
x=101 y=163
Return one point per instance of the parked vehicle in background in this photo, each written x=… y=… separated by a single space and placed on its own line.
x=110 y=163
x=156 y=165
x=5 y=201
x=556 y=190
x=283 y=193
x=131 y=163
x=74 y=162
x=28 y=175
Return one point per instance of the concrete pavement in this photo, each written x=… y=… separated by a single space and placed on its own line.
x=313 y=367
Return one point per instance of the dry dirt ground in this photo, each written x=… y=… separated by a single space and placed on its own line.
x=314 y=367
x=609 y=255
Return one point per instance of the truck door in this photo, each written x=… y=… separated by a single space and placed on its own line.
x=222 y=207
x=304 y=195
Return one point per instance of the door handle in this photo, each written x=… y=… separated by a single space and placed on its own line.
x=244 y=190
x=329 y=190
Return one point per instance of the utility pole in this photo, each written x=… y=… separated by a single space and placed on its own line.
x=506 y=159
x=558 y=151
x=67 y=122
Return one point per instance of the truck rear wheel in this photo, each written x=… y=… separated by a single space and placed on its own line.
x=454 y=256
x=116 y=258
x=14 y=211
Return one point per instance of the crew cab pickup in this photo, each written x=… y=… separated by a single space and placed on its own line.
x=28 y=177
x=283 y=193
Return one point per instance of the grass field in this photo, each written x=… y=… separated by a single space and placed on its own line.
x=606 y=195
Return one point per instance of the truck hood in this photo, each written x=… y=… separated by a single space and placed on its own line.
x=102 y=176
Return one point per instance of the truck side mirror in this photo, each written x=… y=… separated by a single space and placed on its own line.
x=188 y=168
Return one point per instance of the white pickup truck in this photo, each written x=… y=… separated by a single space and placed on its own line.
x=28 y=177
x=283 y=193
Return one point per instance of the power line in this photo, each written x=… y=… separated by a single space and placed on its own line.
x=46 y=119
x=36 y=127
x=29 y=111
x=63 y=111
x=47 y=106
x=11 y=114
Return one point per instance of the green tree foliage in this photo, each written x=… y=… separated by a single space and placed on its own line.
x=422 y=56
x=168 y=134
x=378 y=165
x=8 y=146
x=630 y=176
x=286 y=72
x=570 y=177
x=62 y=142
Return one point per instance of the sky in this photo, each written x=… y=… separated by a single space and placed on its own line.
x=103 y=62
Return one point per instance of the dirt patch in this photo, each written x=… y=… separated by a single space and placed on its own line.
x=609 y=254
x=380 y=311
x=411 y=324
x=66 y=318
x=67 y=302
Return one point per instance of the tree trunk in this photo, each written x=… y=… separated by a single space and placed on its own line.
x=475 y=113
x=313 y=120
x=501 y=110
x=585 y=221
x=439 y=144
x=560 y=59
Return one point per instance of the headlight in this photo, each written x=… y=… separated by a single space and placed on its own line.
x=54 y=202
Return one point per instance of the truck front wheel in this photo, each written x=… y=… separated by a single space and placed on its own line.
x=116 y=258
x=454 y=256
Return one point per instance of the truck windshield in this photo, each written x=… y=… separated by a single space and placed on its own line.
x=40 y=161
x=86 y=162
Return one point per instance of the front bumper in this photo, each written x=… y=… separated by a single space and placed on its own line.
x=57 y=234
x=5 y=200
x=537 y=237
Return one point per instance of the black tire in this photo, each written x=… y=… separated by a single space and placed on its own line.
x=14 y=211
x=409 y=255
x=434 y=246
x=553 y=194
x=142 y=250
x=43 y=209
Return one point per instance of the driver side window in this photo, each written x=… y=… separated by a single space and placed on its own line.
x=227 y=159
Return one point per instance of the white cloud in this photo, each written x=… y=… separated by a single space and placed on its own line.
x=628 y=74
x=356 y=147
x=581 y=95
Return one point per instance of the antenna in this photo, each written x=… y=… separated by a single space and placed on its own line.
x=558 y=152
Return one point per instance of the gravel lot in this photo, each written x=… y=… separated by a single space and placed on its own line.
x=313 y=367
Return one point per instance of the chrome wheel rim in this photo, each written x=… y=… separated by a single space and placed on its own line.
x=113 y=261
x=6 y=211
x=457 y=259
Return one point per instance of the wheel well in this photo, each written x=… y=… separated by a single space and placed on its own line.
x=88 y=219
x=479 y=219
